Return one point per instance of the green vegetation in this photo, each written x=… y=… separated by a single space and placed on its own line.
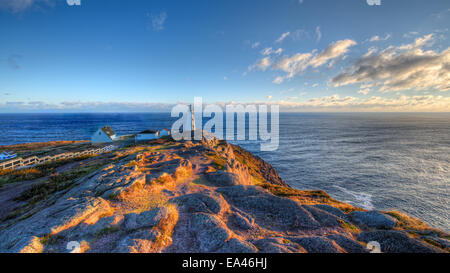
x=55 y=183
x=349 y=227
x=306 y=197
x=413 y=225
x=202 y=181
x=11 y=176
x=218 y=162
x=108 y=230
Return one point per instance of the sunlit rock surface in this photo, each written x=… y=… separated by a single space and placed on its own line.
x=200 y=196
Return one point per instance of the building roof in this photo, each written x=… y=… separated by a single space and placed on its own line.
x=108 y=131
x=148 y=132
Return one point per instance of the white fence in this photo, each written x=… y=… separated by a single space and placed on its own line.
x=34 y=160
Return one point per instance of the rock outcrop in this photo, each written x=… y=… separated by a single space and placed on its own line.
x=202 y=196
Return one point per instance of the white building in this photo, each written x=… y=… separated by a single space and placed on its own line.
x=103 y=135
x=147 y=135
x=164 y=132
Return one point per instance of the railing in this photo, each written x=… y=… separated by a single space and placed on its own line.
x=34 y=160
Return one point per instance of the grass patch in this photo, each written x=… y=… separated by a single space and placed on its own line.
x=202 y=181
x=11 y=176
x=407 y=222
x=17 y=212
x=107 y=230
x=218 y=162
x=163 y=179
x=55 y=183
x=348 y=227
x=432 y=242
x=51 y=239
x=285 y=191
x=306 y=197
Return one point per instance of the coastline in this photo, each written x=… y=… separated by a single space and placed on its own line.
x=160 y=195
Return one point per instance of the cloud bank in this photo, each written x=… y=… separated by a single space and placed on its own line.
x=406 y=67
x=424 y=103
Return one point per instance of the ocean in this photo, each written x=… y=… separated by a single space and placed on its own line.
x=373 y=160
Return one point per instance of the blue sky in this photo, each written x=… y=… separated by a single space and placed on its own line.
x=147 y=55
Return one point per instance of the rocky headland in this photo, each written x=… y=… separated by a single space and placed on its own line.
x=189 y=196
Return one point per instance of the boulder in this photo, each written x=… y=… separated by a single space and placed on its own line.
x=272 y=211
x=145 y=219
x=137 y=242
x=325 y=218
x=393 y=241
x=373 y=219
x=210 y=231
x=349 y=244
x=242 y=221
x=335 y=211
x=222 y=179
x=278 y=245
x=201 y=202
x=235 y=245
x=317 y=244
x=102 y=225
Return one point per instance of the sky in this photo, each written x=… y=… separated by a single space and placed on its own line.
x=304 y=55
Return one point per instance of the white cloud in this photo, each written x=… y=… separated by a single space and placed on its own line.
x=157 y=20
x=405 y=67
x=269 y=97
x=315 y=85
x=410 y=34
x=278 y=51
x=268 y=51
x=377 y=38
x=300 y=1
x=299 y=62
x=331 y=52
x=255 y=44
x=16 y=6
x=364 y=91
x=300 y=34
x=418 y=43
x=282 y=37
x=261 y=65
x=278 y=80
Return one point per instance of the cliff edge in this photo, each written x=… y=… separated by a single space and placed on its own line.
x=190 y=196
